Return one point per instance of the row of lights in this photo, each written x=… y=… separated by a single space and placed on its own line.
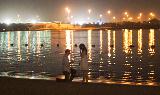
x=126 y=17
x=18 y=20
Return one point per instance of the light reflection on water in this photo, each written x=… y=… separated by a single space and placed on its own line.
x=119 y=55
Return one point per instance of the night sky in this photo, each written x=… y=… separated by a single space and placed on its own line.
x=51 y=10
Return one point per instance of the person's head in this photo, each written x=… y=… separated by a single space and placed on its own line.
x=67 y=51
x=82 y=46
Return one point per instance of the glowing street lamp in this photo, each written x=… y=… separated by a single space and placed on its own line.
x=139 y=17
x=33 y=21
x=109 y=12
x=100 y=15
x=130 y=18
x=7 y=21
x=126 y=14
x=18 y=18
x=68 y=12
x=114 y=18
x=152 y=15
x=149 y=18
x=89 y=11
x=140 y=14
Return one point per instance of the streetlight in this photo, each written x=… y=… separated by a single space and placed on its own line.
x=109 y=12
x=7 y=21
x=68 y=12
x=100 y=16
x=152 y=15
x=140 y=14
x=114 y=18
x=18 y=18
x=149 y=18
x=89 y=12
x=139 y=17
x=130 y=18
x=126 y=14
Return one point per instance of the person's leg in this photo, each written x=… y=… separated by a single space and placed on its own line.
x=73 y=73
x=86 y=76
x=83 y=75
x=67 y=75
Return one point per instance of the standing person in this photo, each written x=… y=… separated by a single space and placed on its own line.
x=84 y=62
x=66 y=65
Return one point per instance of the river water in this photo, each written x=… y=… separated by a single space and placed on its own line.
x=125 y=55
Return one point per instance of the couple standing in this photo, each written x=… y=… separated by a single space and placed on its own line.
x=69 y=72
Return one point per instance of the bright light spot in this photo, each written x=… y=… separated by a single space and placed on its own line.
x=100 y=15
x=33 y=21
x=114 y=17
x=140 y=14
x=71 y=17
x=89 y=11
x=109 y=12
x=67 y=10
x=7 y=21
x=81 y=22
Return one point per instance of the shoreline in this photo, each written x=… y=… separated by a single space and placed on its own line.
x=57 y=26
x=18 y=86
x=82 y=29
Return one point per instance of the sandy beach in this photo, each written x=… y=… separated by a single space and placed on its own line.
x=14 y=86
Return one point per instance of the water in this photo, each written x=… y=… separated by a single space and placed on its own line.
x=118 y=55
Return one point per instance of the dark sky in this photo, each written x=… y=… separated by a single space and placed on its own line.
x=50 y=10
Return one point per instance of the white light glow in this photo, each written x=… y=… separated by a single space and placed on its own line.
x=7 y=21
x=33 y=21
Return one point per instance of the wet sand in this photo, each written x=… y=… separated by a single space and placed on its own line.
x=14 y=86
